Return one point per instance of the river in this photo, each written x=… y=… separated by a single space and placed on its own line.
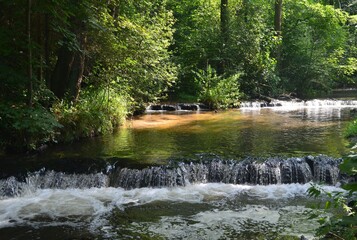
x=68 y=192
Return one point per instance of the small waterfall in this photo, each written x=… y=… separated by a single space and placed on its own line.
x=248 y=171
x=262 y=104
x=295 y=103
x=272 y=171
x=300 y=103
x=51 y=180
x=176 y=107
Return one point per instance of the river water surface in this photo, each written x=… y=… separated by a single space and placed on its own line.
x=83 y=205
x=153 y=138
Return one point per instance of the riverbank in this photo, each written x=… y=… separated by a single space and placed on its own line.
x=30 y=129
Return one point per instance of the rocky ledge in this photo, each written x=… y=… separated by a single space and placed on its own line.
x=177 y=107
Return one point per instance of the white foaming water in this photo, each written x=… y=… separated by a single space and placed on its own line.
x=252 y=219
x=314 y=110
x=316 y=103
x=90 y=206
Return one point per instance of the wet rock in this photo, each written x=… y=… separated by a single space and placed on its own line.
x=353 y=111
x=188 y=107
x=203 y=106
x=263 y=105
x=156 y=107
x=178 y=107
x=169 y=107
x=289 y=97
x=284 y=97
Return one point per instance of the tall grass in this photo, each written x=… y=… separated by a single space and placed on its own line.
x=98 y=111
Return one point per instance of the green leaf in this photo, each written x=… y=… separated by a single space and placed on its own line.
x=349 y=165
x=313 y=216
x=350 y=187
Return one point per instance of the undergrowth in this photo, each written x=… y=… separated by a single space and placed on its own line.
x=351 y=130
x=25 y=128
x=97 y=112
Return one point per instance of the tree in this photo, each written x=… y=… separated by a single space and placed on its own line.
x=278 y=16
x=68 y=71
x=311 y=36
x=63 y=47
x=134 y=53
x=197 y=41
x=224 y=19
x=253 y=41
x=278 y=11
x=29 y=70
x=224 y=33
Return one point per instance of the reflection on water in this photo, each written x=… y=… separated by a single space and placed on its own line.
x=153 y=138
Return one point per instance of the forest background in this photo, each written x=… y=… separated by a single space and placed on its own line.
x=73 y=69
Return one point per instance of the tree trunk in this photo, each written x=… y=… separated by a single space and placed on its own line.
x=29 y=66
x=224 y=34
x=224 y=20
x=47 y=50
x=77 y=71
x=277 y=28
x=278 y=16
x=39 y=41
x=68 y=73
x=62 y=71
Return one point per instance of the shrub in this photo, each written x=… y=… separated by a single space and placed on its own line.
x=98 y=111
x=216 y=91
x=351 y=130
x=25 y=128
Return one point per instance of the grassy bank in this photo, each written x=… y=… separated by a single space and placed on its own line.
x=26 y=129
x=98 y=112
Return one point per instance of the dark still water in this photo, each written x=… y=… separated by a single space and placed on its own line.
x=113 y=187
x=156 y=137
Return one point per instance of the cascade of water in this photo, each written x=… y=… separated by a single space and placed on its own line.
x=176 y=107
x=249 y=171
x=272 y=171
x=51 y=180
x=299 y=103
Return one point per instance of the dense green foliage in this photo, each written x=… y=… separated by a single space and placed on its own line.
x=58 y=59
x=133 y=54
x=351 y=130
x=341 y=223
x=23 y=127
x=75 y=69
x=97 y=112
x=314 y=52
x=215 y=91
x=313 y=44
